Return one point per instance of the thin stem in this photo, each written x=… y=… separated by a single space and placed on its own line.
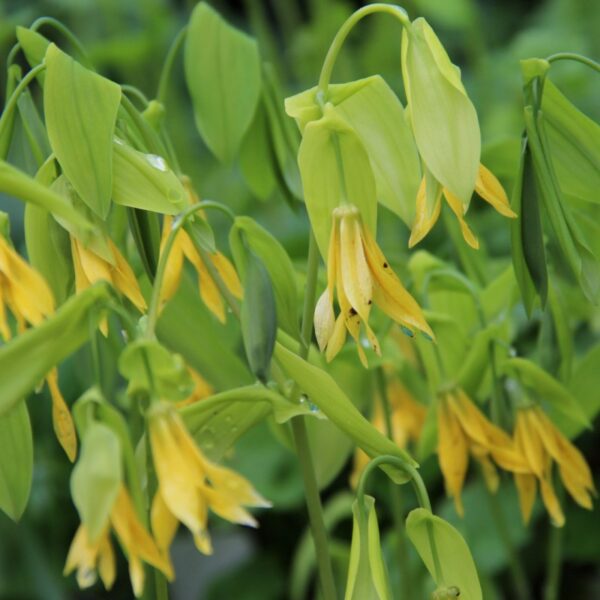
x=178 y=223
x=149 y=136
x=131 y=90
x=552 y=583
x=165 y=74
x=395 y=493
x=342 y=34
x=584 y=60
x=299 y=431
x=518 y=574
x=73 y=39
x=12 y=101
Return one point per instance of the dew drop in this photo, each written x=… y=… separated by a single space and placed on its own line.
x=158 y=162
x=207 y=437
x=303 y=398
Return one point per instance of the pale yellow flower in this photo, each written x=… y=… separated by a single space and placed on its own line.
x=360 y=275
x=91 y=557
x=62 y=420
x=407 y=417
x=428 y=209
x=183 y=247
x=541 y=443
x=90 y=268
x=189 y=484
x=462 y=430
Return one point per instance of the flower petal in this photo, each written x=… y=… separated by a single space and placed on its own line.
x=62 y=420
x=458 y=209
x=491 y=190
x=428 y=208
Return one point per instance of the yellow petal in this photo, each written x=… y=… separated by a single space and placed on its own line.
x=526 y=488
x=427 y=214
x=389 y=293
x=136 y=574
x=453 y=453
x=209 y=292
x=83 y=556
x=469 y=417
x=107 y=567
x=125 y=280
x=324 y=319
x=4 y=328
x=355 y=274
x=93 y=266
x=337 y=338
x=228 y=481
x=203 y=542
x=551 y=502
x=164 y=523
x=174 y=266
x=527 y=438
x=491 y=190
x=82 y=282
x=62 y=420
x=227 y=508
x=459 y=210
x=228 y=273
x=490 y=474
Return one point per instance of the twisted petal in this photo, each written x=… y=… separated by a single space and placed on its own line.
x=526 y=487
x=458 y=208
x=62 y=420
x=125 y=281
x=528 y=440
x=491 y=190
x=324 y=319
x=551 y=501
x=228 y=273
x=428 y=210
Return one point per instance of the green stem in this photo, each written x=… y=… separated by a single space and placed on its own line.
x=178 y=223
x=73 y=39
x=552 y=583
x=131 y=90
x=395 y=493
x=165 y=74
x=299 y=431
x=584 y=60
x=342 y=34
x=518 y=574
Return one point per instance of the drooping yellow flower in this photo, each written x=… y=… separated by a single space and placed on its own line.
x=462 y=430
x=407 y=418
x=541 y=443
x=360 y=275
x=30 y=300
x=22 y=290
x=189 y=484
x=428 y=210
x=90 y=268
x=183 y=247
x=91 y=557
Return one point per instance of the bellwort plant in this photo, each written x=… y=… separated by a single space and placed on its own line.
x=450 y=369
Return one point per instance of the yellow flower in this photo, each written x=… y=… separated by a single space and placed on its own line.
x=407 y=419
x=183 y=247
x=30 y=300
x=486 y=185
x=361 y=275
x=541 y=443
x=464 y=429
x=90 y=268
x=22 y=290
x=90 y=557
x=189 y=484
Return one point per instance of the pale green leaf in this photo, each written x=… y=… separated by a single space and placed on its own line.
x=222 y=70
x=81 y=111
x=16 y=465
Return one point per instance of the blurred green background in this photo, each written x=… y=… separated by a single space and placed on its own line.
x=127 y=41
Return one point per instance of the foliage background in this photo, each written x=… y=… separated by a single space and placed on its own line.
x=127 y=41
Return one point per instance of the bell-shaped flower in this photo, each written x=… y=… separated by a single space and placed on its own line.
x=429 y=205
x=183 y=247
x=189 y=484
x=360 y=275
x=462 y=430
x=92 y=557
x=90 y=267
x=542 y=444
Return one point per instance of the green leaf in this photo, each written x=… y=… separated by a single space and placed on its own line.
x=574 y=141
x=222 y=70
x=150 y=368
x=444 y=119
x=16 y=466
x=378 y=118
x=324 y=392
x=19 y=185
x=145 y=181
x=34 y=46
x=547 y=389
x=584 y=385
x=335 y=170
x=456 y=568
x=527 y=243
x=258 y=316
x=256 y=156
x=367 y=573
x=97 y=477
x=81 y=111
x=145 y=230
x=276 y=261
x=26 y=359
